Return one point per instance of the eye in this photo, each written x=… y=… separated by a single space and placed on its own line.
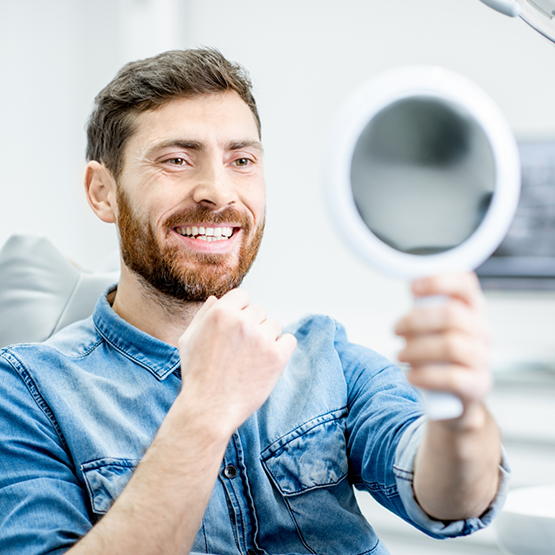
x=242 y=162
x=177 y=161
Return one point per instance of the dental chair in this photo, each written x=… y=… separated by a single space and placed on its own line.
x=41 y=291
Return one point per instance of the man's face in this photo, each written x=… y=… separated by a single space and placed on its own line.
x=191 y=196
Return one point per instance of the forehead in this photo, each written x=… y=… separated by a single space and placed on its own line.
x=221 y=117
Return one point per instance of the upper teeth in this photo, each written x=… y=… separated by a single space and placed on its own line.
x=206 y=233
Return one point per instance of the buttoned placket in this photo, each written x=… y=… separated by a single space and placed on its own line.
x=233 y=476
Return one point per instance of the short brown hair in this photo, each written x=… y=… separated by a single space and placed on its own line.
x=150 y=83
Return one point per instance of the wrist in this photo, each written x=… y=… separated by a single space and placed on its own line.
x=192 y=417
x=475 y=418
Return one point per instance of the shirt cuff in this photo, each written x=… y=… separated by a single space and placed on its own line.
x=404 y=473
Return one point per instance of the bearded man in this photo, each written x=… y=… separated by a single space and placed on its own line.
x=179 y=417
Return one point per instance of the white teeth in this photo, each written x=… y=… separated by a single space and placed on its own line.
x=206 y=233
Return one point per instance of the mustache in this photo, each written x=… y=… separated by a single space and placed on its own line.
x=204 y=214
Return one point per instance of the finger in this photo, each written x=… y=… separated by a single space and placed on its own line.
x=271 y=329
x=449 y=348
x=235 y=299
x=462 y=286
x=209 y=302
x=255 y=313
x=465 y=383
x=452 y=316
x=287 y=343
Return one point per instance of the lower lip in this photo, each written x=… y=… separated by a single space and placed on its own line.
x=199 y=245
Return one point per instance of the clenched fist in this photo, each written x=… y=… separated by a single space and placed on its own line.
x=231 y=358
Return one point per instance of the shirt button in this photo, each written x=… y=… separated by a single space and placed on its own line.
x=230 y=472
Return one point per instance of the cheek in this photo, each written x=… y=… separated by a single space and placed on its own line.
x=260 y=211
x=256 y=202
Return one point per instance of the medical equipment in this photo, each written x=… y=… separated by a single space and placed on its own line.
x=539 y=14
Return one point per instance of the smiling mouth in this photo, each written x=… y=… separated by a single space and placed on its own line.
x=205 y=233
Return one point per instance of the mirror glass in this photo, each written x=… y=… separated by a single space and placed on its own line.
x=423 y=175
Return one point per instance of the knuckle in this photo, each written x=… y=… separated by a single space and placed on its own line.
x=277 y=328
x=262 y=311
x=452 y=346
x=243 y=326
x=219 y=314
x=450 y=313
x=455 y=381
x=434 y=282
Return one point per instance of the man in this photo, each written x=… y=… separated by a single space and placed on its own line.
x=179 y=417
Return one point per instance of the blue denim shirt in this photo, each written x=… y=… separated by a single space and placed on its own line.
x=78 y=412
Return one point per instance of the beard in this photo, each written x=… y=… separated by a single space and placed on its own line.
x=188 y=278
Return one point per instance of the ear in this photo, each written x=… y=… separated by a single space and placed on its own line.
x=100 y=188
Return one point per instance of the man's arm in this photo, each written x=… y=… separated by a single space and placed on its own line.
x=231 y=358
x=456 y=472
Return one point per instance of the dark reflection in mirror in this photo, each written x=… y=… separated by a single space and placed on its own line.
x=423 y=175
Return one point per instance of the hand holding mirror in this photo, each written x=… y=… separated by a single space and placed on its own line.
x=423 y=178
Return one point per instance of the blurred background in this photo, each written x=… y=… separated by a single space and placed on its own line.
x=305 y=57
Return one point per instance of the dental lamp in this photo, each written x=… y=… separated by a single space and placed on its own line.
x=539 y=14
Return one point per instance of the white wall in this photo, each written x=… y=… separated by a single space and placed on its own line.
x=55 y=57
x=305 y=57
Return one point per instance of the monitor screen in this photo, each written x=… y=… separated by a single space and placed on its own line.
x=525 y=260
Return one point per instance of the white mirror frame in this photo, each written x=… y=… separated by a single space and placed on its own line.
x=361 y=107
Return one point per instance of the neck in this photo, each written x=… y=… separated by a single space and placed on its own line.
x=147 y=309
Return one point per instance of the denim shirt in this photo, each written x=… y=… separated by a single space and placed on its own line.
x=78 y=412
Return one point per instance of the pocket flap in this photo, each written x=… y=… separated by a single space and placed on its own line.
x=313 y=456
x=106 y=479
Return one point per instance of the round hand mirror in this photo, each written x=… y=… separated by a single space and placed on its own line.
x=423 y=177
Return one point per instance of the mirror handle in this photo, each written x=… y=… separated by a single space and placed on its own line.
x=439 y=405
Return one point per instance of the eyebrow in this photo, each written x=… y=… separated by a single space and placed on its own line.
x=199 y=146
x=245 y=144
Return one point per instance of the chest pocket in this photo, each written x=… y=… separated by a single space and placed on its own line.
x=106 y=479
x=312 y=456
x=309 y=467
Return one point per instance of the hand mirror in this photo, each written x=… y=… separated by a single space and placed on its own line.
x=422 y=177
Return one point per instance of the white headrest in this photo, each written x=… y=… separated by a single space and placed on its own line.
x=41 y=292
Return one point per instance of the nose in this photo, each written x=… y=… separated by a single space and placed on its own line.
x=214 y=186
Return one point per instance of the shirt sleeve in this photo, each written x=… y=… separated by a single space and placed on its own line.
x=404 y=472
x=43 y=504
x=385 y=425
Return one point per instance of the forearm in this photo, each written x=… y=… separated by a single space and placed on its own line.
x=161 y=509
x=457 y=466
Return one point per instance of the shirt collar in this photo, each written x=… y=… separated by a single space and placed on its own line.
x=159 y=358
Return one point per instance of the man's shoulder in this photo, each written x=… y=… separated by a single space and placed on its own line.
x=314 y=324
x=323 y=337
x=74 y=341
